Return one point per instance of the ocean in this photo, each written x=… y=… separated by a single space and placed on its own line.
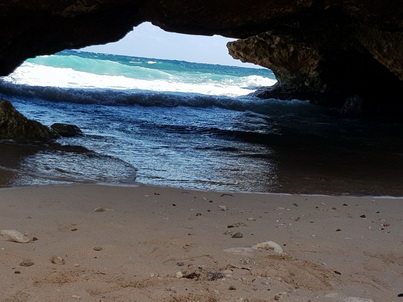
x=190 y=125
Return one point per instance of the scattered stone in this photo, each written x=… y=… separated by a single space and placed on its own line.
x=205 y=276
x=193 y=275
x=98 y=249
x=66 y=130
x=222 y=208
x=57 y=260
x=236 y=224
x=232 y=287
x=14 y=236
x=211 y=276
x=27 y=263
x=99 y=210
x=363 y=216
x=237 y=235
x=227 y=272
x=180 y=263
x=269 y=245
x=17 y=272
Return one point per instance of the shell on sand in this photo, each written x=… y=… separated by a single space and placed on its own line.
x=269 y=245
x=14 y=236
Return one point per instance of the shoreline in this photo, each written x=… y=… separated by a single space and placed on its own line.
x=151 y=243
x=136 y=184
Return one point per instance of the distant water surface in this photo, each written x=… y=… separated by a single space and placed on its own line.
x=182 y=124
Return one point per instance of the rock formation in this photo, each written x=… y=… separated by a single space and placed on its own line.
x=66 y=130
x=16 y=126
x=326 y=51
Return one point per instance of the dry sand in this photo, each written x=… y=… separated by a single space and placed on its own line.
x=105 y=243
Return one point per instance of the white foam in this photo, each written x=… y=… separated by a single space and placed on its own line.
x=46 y=76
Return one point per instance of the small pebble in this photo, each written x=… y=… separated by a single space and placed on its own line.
x=400 y=295
x=222 y=208
x=232 y=287
x=26 y=263
x=99 y=210
x=98 y=249
x=57 y=260
x=363 y=216
x=180 y=263
x=17 y=272
x=237 y=235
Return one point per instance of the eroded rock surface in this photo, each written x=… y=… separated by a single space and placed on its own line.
x=325 y=51
x=16 y=126
x=66 y=130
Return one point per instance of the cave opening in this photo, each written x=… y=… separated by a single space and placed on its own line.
x=149 y=41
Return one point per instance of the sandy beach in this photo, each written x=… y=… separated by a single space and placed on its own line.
x=109 y=243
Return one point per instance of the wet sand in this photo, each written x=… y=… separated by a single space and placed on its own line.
x=302 y=169
x=106 y=243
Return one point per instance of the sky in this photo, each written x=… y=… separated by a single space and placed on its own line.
x=149 y=41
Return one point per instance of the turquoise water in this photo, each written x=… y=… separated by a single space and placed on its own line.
x=190 y=125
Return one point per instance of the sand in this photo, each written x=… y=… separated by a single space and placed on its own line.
x=108 y=243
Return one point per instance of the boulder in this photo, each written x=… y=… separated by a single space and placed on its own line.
x=66 y=130
x=13 y=125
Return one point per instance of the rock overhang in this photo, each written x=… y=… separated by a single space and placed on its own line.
x=326 y=51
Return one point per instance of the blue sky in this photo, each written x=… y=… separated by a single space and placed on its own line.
x=147 y=40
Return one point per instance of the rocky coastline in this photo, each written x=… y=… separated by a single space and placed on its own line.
x=14 y=125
